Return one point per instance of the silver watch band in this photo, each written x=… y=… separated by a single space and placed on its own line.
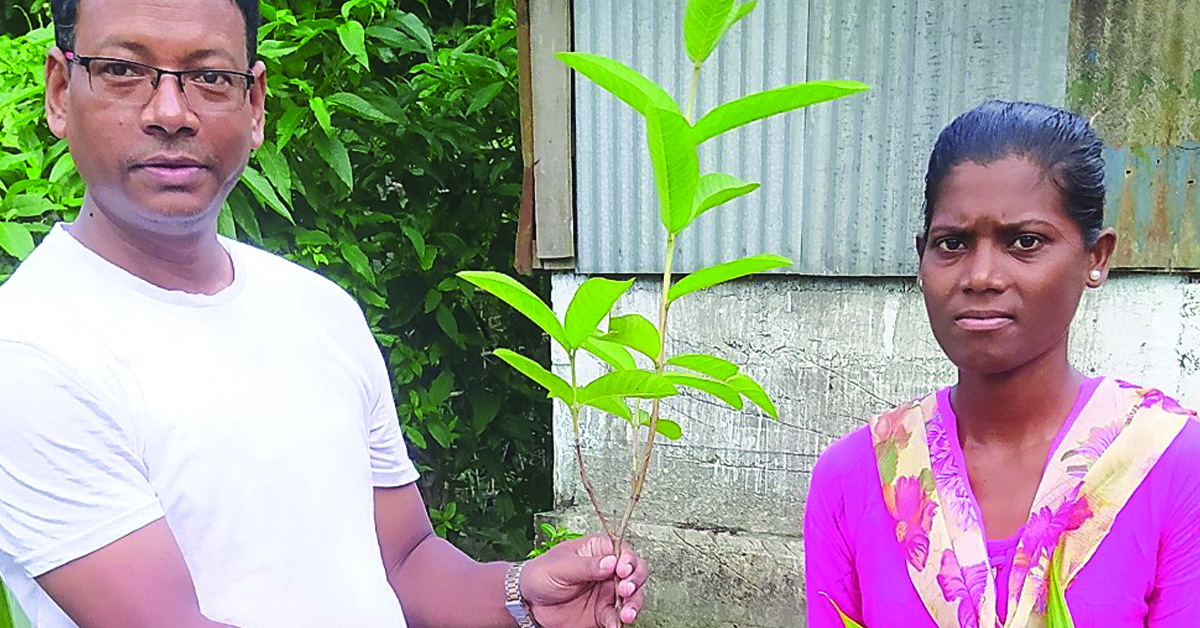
x=516 y=605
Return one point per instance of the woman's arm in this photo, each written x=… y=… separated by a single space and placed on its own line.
x=1175 y=601
x=829 y=576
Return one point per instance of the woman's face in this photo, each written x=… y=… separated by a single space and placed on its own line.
x=1003 y=265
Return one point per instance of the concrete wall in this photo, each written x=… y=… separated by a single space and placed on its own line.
x=721 y=518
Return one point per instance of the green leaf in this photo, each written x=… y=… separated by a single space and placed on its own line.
x=334 y=152
x=612 y=405
x=718 y=188
x=263 y=190
x=637 y=384
x=243 y=215
x=621 y=81
x=418 y=240
x=676 y=166
x=591 y=303
x=275 y=167
x=415 y=437
x=558 y=387
x=710 y=365
x=721 y=391
x=519 y=297
x=703 y=23
x=317 y=104
x=273 y=49
x=738 y=15
x=441 y=433
x=360 y=107
x=287 y=125
x=441 y=387
x=27 y=206
x=15 y=240
x=225 y=224
x=765 y=104
x=415 y=27
x=846 y=621
x=393 y=38
x=484 y=408
x=636 y=332
x=713 y=275
x=1058 y=614
x=485 y=96
x=63 y=167
x=307 y=237
x=668 y=429
x=358 y=261
x=449 y=325
x=613 y=354
x=751 y=390
x=353 y=37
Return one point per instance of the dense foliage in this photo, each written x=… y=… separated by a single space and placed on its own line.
x=391 y=162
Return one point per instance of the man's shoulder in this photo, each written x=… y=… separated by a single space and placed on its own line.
x=39 y=295
x=283 y=277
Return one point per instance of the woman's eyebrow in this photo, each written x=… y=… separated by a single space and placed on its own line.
x=1032 y=223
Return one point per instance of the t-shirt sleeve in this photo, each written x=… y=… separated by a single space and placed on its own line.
x=829 y=576
x=71 y=480
x=390 y=464
x=1175 y=600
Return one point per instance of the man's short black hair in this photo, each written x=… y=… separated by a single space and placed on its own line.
x=66 y=11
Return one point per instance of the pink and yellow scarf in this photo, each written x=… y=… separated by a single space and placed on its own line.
x=1106 y=453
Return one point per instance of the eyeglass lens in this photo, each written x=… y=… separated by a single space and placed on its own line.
x=133 y=83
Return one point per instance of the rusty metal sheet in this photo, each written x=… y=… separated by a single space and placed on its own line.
x=1134 y=67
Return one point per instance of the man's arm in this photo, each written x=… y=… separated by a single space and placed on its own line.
x=440 y=587
x=138 y=581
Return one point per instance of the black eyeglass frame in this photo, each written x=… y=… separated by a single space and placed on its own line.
x=86 y=61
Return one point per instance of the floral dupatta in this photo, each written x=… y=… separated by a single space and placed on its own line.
x=1107 y=452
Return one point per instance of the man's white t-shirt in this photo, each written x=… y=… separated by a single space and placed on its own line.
x=256 y=421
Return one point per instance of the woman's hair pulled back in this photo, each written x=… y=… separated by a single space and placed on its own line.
x=1062 y=143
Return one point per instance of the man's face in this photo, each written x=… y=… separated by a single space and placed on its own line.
x=156 y=166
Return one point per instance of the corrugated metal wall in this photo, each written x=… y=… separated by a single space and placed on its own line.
x=1135 y=67
x=841 y=181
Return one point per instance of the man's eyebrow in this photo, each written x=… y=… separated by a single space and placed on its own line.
x=143 y=51
x=131 y=46
x=208 y=53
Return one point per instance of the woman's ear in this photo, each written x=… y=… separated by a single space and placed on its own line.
x=1099 y=257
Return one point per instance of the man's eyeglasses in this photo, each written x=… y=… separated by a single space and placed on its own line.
x=133 y=83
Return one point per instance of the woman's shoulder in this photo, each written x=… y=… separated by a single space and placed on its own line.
x=848 y=454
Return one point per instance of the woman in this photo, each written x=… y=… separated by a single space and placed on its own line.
x=967 y=492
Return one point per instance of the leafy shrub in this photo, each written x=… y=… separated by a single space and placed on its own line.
x=391 y=162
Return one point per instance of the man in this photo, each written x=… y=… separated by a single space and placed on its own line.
x=196 y=434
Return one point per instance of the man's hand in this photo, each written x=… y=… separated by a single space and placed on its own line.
x=573 y=585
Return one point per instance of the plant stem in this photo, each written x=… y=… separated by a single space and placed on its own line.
x=691 y=106
x=639 y=477
x=583 y=475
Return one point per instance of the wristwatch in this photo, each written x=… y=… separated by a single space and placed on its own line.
x=516 y=605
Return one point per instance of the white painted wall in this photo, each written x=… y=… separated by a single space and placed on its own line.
x=830 y=352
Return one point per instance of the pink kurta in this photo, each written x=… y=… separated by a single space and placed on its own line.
x=1146 y=572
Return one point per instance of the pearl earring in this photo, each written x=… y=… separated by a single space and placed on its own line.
x=920 y=283
x=1095 y=275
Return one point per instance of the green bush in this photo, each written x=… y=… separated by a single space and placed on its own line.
x=391 y=162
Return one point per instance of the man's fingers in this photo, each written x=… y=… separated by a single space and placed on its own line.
x=607 y=615
x=633 y=606
x=632 y=568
